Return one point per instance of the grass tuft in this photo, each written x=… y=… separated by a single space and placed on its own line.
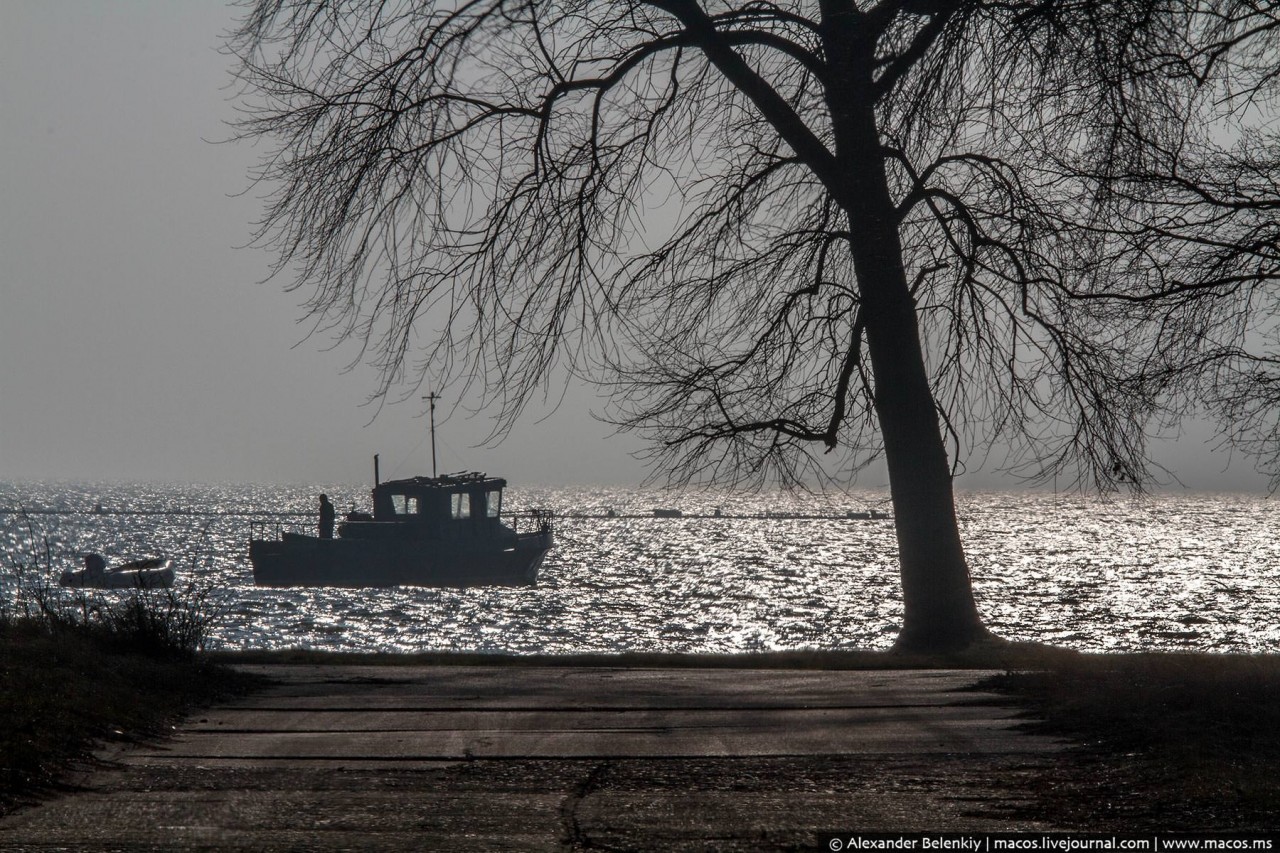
x=78 y=667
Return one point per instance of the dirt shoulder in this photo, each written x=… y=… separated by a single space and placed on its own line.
x=65 y=693
x=1165 y=741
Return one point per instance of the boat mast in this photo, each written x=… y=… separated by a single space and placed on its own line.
x=432 y=397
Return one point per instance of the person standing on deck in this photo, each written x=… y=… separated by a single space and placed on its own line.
x=326 y=518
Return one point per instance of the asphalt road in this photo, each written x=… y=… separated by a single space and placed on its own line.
x=534 y=758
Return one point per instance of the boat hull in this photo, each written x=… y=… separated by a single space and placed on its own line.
x=142 y=574
x=296 y=560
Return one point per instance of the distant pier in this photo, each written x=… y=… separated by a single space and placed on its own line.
x=608 y=515
x=604 y=515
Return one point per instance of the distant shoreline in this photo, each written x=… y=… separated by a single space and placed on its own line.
x=227 y=512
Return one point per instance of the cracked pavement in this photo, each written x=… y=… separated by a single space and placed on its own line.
x=555 y=758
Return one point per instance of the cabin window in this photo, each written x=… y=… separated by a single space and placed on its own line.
x=461 y=505
x=493 y=503
x=405 y=504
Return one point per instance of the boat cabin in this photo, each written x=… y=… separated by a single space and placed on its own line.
x=436 y=507
x=454 y=497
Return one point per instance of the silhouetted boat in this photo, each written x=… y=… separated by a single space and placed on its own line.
x=424 y=531
x=147 y=573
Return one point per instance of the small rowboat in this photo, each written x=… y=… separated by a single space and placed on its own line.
x=148 y=573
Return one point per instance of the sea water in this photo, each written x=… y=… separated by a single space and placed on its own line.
x=1172 y=572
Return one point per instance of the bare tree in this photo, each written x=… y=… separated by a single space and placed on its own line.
x=916 y=229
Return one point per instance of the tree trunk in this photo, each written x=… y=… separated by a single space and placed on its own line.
x=940 y=613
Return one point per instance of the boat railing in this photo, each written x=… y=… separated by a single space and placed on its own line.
x=275 y=528
x=538 y=520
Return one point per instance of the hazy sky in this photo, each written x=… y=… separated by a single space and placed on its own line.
x=135 y=339
x=136 y=342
